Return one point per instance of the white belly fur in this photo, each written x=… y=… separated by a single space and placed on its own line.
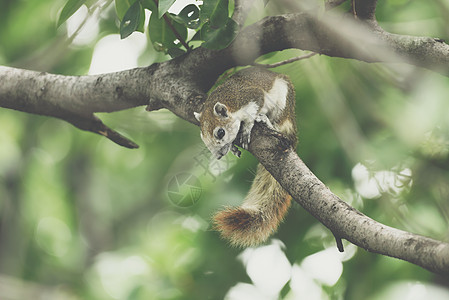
x=275 y=99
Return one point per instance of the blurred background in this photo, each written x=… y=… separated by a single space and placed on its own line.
x=82 y=218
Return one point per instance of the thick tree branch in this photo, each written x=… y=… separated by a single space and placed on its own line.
x=341 y=37
x=43 y=93
x=74 y=99
x=272 y=150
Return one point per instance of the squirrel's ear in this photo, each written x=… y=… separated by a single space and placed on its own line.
x=197 y=116
x=220 y=110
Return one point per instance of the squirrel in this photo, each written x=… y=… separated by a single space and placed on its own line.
x=251 y=95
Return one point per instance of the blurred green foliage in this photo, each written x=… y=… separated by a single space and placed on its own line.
x=82 y=218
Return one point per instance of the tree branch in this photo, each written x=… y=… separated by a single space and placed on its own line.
x=279 y=158
x=340 y=37
x=74 y=99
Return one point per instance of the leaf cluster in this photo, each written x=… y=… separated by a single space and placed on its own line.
x=208 y=25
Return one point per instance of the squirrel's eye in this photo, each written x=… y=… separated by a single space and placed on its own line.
x=220 y=133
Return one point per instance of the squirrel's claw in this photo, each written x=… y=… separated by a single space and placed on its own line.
x=236 y=151
x=264 y=119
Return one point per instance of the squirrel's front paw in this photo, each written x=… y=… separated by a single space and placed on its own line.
x=245 y=136
x=264 y=119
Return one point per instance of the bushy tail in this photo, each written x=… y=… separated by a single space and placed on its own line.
x=260 y=214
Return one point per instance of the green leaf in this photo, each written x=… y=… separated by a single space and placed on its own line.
x=219 y=38
x=132 y=19
x=69 y=9
x=190 y=12
x=266 y=56
x=161 y=34
x=197 y=36
x=150 y=5
x=164 y=5
x=122 y=6
x=189 y=16
x=216 y=12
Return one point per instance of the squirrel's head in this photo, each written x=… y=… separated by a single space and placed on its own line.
x=219 y=128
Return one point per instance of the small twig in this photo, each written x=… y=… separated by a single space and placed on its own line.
x=339 y=243
x=178 y=36
x=173 y=29
x=287 y=61
x=94 y=124
x=353 y=8
x=241 y=10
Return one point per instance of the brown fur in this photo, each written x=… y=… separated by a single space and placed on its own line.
x=263 y=209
